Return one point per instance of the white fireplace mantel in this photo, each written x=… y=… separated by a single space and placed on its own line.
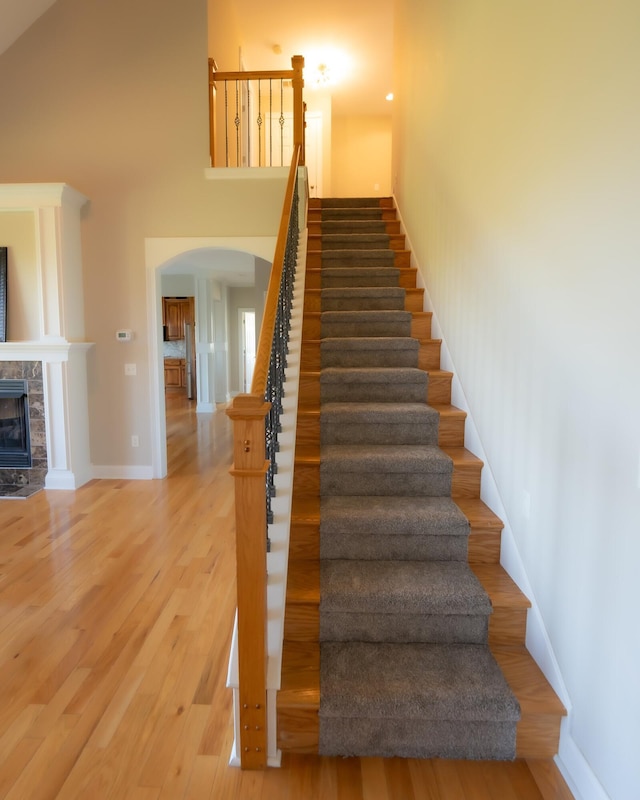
x=60 y=347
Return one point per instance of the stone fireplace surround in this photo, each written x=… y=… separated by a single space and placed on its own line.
x=16 y=481
x=60 y=349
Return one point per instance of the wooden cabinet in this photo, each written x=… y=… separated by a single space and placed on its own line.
x=174 y=373
x=175 y=312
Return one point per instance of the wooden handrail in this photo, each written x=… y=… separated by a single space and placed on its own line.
x=250 y=467
x=297 y=85
x=263 y=350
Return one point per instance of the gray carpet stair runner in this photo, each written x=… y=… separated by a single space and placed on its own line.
x=405 y=666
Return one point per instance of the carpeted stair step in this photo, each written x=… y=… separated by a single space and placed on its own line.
x=404 y=622
x=363 y=299
x=337 y=324
x=333 y=226
x=353 y=202
x=402 y=601
x=373 y=384
x=392 y=351
x=399 y=528
x=415 y=700
x=338 y=277
x=368 y=213
x=355 y=241
x=404 y=470
x=358 y=258
x=378 y=423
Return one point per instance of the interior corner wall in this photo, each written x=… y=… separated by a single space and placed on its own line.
x=361 y=156
x=111 y=98
x=516 y=168
x=223 y=34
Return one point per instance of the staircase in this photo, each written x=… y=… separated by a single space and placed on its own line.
x=405 y=554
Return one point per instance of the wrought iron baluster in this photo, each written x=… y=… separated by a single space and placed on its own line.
x=274 y=392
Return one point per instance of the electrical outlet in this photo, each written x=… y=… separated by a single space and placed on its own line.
x=135 y=442
x=130 y=369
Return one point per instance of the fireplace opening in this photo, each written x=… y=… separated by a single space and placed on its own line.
x=15 y=445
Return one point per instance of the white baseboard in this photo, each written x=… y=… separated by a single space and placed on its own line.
x=205 y=408
x=575 y=769
x=66 y=480
x=129 y=473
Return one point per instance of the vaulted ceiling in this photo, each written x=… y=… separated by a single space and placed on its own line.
x=356 y=32
x=16 y=16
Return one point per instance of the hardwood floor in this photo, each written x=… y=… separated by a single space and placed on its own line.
x=116 y=607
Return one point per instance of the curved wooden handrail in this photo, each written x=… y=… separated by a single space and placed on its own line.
x=263 y=350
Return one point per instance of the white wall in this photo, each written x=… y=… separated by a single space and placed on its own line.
x=517 y=167
x=139 y=156
x=361 y=156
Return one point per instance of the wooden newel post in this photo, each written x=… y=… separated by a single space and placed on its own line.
x=297 y=62
x=249 y=469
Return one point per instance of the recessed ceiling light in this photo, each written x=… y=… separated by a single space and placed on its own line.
x=389 y=96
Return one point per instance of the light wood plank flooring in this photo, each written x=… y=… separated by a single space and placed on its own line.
x=116 y=607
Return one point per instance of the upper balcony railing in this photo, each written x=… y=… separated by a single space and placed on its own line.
x=256 y=119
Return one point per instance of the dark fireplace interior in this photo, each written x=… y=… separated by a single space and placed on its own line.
x=23 y=439
x=15 y=446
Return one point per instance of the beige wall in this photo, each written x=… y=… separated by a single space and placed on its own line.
x=361 y=156
x=17 y=232
x=112 y=99
x=517 y=167
x=224 y=35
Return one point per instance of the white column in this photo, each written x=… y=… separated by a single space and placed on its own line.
x=64 y=378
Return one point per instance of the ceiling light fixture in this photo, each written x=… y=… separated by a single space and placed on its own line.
x=330 y=67
x=389 y=96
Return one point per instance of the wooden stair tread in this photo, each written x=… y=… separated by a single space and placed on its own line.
x=534 y=692
x=301 y=678
x=499 y=586
x=439 y=373
x=462 y=456
x=304 y=585
x=307 y=454
x=459 y=455
x=426 y=342
x=537 y=732
x=480 y=516
x=448 y=410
